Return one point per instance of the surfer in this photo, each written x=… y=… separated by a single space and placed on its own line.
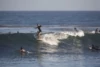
x=22 y=50
x=92 y=47
x=96 y=31
x=39 y=29
x=75 y=29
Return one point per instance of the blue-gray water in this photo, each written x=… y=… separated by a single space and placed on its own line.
x=87 y=18
x=60 y=45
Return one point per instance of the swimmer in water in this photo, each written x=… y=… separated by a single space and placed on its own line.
x=93 y=47
x=22 y=50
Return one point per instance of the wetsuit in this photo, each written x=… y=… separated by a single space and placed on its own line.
x=76 y=29
x=39 y=28
x=96 y=31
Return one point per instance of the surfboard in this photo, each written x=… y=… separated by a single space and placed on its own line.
x=38 y=37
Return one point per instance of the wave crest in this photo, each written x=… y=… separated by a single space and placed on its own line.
x=54 y=38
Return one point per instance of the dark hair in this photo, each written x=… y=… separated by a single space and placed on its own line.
x=21 y=48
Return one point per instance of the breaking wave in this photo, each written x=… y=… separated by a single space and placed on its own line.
x=54 y=38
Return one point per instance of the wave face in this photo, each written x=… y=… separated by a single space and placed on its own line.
x=53 y=38
x=48 y=38
x=52 y=42
x=58 y=36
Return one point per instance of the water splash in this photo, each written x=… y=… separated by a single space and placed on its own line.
x=54 y=38
x=50 y=39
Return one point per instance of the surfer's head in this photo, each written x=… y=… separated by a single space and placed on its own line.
x=21 y=48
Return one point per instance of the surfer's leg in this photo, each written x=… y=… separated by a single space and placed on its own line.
x=39 y=34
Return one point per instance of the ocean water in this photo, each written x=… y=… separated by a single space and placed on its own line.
x=81 y=18
x=60 y=45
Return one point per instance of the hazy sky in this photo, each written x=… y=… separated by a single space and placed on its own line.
x=42 y=5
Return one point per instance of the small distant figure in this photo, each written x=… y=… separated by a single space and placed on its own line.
x=17 y=31
x=97 y=30
x=75 y=29
x=22 y=50
x=92 y=47
x=39 y=29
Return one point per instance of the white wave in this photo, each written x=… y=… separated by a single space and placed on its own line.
x=73 y=33
x=50 y=39
x=93 y=32
x=54 y=38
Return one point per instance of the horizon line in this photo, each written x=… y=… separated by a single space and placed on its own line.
x=46 y=10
